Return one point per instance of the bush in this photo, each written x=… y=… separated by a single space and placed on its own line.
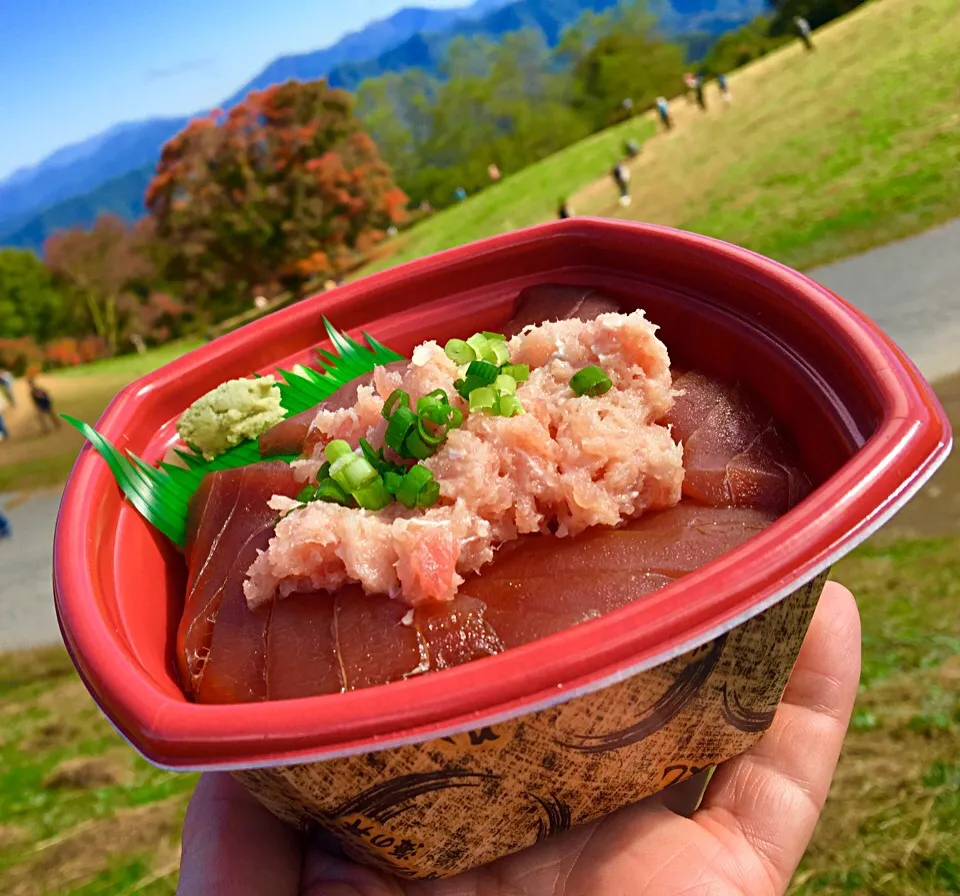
x=18 y=355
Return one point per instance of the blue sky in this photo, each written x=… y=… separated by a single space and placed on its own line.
x=71 y=68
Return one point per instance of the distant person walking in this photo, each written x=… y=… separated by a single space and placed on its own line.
x=493 y=172
x=5 y=530
x=701 y=98
x=564 y=211
x=663 y=110
x=803 y=29
x=690 y=80
x=631 y=149
x=724 y=88
x=6 y=399
x=621 y=176
x=460 y=193
x=43 y=404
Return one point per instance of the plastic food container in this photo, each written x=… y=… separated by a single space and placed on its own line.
x=430 y=776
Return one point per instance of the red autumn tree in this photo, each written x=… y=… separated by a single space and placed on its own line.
x=281 y=190
x=99 y=268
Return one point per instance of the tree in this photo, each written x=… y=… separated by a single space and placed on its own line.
x=30 y=304
x=736 y=48
x=506 y=104
x=396 y=109
x=101 y=268
x=626 y=61
x=280 y=191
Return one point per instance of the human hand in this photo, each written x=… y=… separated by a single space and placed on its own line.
x=746 y=839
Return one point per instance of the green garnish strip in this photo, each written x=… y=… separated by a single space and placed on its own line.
x=161 y=494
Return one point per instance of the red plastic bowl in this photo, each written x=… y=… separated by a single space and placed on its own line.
x=868 y=427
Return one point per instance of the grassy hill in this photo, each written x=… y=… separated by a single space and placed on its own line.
x=520 y=200
x=818 y=156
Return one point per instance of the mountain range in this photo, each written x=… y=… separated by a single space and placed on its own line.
x=109 y=172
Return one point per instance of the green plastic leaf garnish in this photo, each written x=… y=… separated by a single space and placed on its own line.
x=162 y=494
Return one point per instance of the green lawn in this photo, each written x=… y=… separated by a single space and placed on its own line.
x=133 y=366
x=829 y=153
x=820 y=154
x=32 y=459
x=521 y=200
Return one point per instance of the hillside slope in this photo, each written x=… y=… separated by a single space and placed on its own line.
x=819 y=155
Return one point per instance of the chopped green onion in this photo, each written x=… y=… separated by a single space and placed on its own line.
x=419 y=488
x=484 y=371
x=352 y=473
x=501 y=353
x=459 y=352
x=494 y=337
x=510 y=406
x=399 y=427
x=520 y=372
x=373 y=457
x=435 y=399
x=505 y=384
x=465 y=387
x=481 y=345
x=392 y=480
x=591 y=381
x=358 y=474
x=331 y=493
x=446 y=416
x=308 y=494
x=430 y=439
x=374 y=496
x=398 y=399
x=337 y=449
x=429 y=494
x=483 y=399
x=414 y=446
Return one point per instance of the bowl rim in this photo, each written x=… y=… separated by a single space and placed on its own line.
x=912 y=440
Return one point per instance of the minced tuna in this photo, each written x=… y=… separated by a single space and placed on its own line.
x=566 y=464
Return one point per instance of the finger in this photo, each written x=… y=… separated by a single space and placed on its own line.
x=233 y=846
x=771 y=797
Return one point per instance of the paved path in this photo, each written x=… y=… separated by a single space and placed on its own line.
x=27 y=618
x=911 y=288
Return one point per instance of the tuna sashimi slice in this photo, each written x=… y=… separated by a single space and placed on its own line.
x=733 y=455
x=456 y=633
x=371 y=643
x=728 y=429
x=287 y=436
x=554 y=301
x=697 y=395
x=322 y=643
x=761 y=476
x=226 y=512
x=541 y=585
x=301 y=660
x=234 y=671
